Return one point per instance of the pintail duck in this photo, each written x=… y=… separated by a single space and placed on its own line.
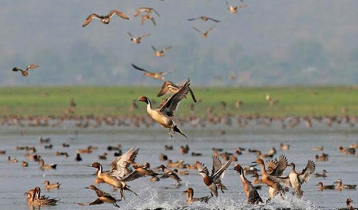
x=190 y=196
x=163 y=114
x=295 y=179
x=106 y=18
x=205 y=33
x=147 y=10
x=34 y=198
x=25 y=72
x=204 y=18
x=102 y=197
x=137 y=40
x=170 y=174
x=275 y=186
x=323 y=174
x=251 y=193
x=213 y=181
x=324 y=187
x=147 y=17
x=154 y=75
x=112 y=180
x=233 y=10
x=44 y=166
x=160 y=53
x=173 y=88
x=51 y=186
x=341 y=186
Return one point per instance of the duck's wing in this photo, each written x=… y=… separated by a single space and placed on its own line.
x=140 y=69
x=32 y=66
x=95 y=202
x=137 y=12
x=211 y=28
x=216 y=165
x=16 y=69
x=305 y=175
x=191 y=19
x=172 y=103
x=202 y=168
x=132 y=176
x=154 y=49
x=89 y=19
x=120 y=164
x=167 y=48
x=144 y=35
x=153 y=21
x=282 y=180
x=281 y=165
x=212 y=19
x=164 y=89
x=218 y=174
x=242 y=6
x=155 y=11
x=118 y=13
x=130 y=34
x=196 y=29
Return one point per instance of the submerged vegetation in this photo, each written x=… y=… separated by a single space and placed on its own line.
x=116 y=101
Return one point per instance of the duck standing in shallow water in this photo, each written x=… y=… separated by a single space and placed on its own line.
x=163 y=115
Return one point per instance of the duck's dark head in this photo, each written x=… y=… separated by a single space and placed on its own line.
x=96 y=165
x=238 y=168
x=143 y=99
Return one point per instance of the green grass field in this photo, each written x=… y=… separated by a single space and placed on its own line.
x=116 y=101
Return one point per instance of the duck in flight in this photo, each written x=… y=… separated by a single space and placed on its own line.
x=25 y=72
x=137 y=40
x=160 y=53
x=164 y=113
x=173 y=88
x=154 y=75
x=106 y=18
x=205 y=33
x=204 y=18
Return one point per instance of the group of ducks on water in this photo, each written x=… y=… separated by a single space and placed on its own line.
x=124 y=169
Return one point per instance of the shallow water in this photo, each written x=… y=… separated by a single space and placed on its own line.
x=75 y=176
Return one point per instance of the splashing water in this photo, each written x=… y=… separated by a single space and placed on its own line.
x=149 y=199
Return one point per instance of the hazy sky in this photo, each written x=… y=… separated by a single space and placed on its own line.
x=49 y=33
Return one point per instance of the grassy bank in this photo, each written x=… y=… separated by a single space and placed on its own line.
x=117 y=100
